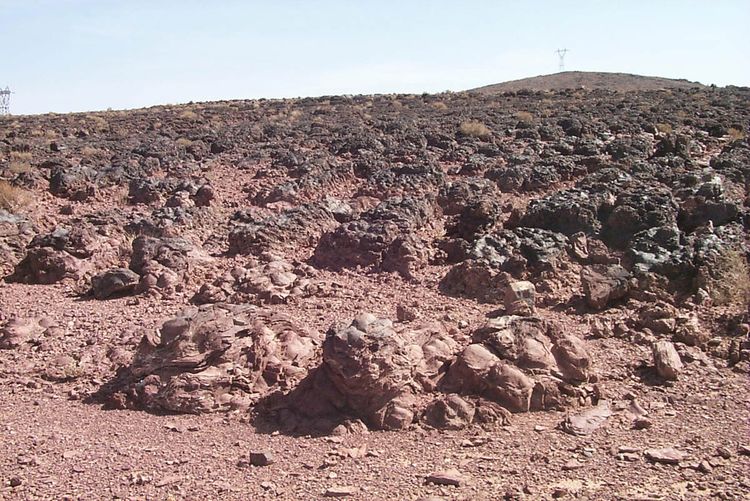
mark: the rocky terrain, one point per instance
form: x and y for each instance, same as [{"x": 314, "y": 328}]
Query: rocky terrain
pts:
[{"x": 496, "y": 295}]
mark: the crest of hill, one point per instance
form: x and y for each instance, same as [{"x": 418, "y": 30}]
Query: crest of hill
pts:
[{"x": 590, "y": 80}]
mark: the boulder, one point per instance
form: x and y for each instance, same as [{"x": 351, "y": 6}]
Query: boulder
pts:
[
  {"x": 512, "y": 359},
  {"x": 117, "y": 281},
  {"x": 301, "y": 225},
  {"x": 450, "y": 412},
  {"x": 519, "y": 298},
  {"x": 18, "y": 331},
  {"x": 275, "y": 282},
  {"x": 214, "y": 358},
  {"x": 371, "y": 371},
  {"x": 666, "y": 360},
  {"x": 604, "y": 284}
]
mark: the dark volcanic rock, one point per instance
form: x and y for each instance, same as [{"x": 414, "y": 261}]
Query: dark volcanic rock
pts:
[
  {"x": 114, "y": 282},
  {"x": 301, "y": 225}
]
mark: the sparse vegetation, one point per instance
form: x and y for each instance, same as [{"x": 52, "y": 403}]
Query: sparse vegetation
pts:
[
  {"x": 473, "y": 128},
  {"x": 12, "y": 197},
  {"x": 99, "y": 123},
  {"x": 663, "y": 128},
  {"x": 188, "y": 115},
  {"x": 730, "y": 279},
  {"x": 20, "y": 161},
  {"x": 525, "y": 117},
  {"x": 735, "y": 134},
  {"x": 88, "y": 152}
]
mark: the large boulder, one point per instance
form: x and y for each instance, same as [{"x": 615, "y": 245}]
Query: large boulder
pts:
[
  {"x": 522, "y": 363},
  {"x": 117, "y": 281},
  {"x": 385, "y": 238},
  {"x": 275, "y": 282},
  {"x": 214, "y": 358},
  {"x": 58, "y": 255},
  {"x": 371, "y": 371},
  {"x": 301, "y": 225},
  {"x": 604, "y": 284}
]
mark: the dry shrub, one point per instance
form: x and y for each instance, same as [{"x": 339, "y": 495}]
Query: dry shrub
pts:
[
  {"x": 19, "y": 167},
  {"x": 12, "y": 197},
  {"x": 183, "y": 142},
  {"x": 20, "y": 156},
  {"x": 736, "y": 134},
  {"x": 89, "y": 151},
  {"x": 440, "y": 106},
  {"x": 730, "y": 278},
  {"x": 19, "y": 162},
  {"x": 664, "y": 128},
  {"x": 525, "y": 117},
  {"x": 98, "y": 122},
  {"x": 188, "y": 115},
  {"x": 473, "y": 128}
]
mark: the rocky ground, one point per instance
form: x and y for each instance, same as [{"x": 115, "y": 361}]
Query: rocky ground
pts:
[{"x": 519, "y": 295}]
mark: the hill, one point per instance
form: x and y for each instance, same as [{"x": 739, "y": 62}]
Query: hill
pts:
[
  {"x": 623, "y": 82},
  {"x": 523, "y": 298}
]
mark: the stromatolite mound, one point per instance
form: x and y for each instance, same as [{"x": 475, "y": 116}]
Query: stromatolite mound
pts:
[{"x": 213, "y": 358}]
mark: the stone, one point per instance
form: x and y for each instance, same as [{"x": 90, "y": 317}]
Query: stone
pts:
[
  {"x": 666, "y": 455},
  {"x": 519, "y": 298},
  {"x": 724, "y": 452},
  {"x": 666, "y": 360},
  {"x": 449, "y": 413},
  {"x": 604, "y": 284},
  {"x": 18, "y": 331},
  {"x": 406, "y": 313},
  {"x": 340, "y": 491},
  {"x": 263, "y": 458},
  {"x": 372, "y": 370},
  {"x": 211, "y": 358},
  {"x": 446, "y": 477},
  {"x": 116, "y": 281},
  {"x": 642, "y": 423},
  {"x": 587, "y": 421}
]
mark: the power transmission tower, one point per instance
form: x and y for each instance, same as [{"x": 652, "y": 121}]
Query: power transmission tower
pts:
[
  {"x": 5, "y": 101},
  {"x": 561, "y": 54}
]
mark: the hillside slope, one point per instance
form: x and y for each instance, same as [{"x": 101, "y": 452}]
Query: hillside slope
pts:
[{"x": 590, "y": 80}]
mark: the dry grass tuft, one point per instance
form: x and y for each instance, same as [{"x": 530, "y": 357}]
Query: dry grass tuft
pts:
[
  {"x": 12, "y": 197},
  {"x": 472, "y": 128},
  {"x": 188, "y": 115},
  {"x": 736, "y": 135},
  {"x": 20, "y": 161},
  {"x": 664, "y": 128},
  {"x": 89, "y": 151},
  {"x": 730, "y": 279},
  {"x": 524, "y": 117}
]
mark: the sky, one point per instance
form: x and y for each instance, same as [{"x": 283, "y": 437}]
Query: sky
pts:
[{"x": 84, "y": 55}]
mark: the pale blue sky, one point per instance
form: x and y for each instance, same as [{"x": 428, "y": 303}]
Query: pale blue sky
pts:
[{"x": 78, "y": 55}]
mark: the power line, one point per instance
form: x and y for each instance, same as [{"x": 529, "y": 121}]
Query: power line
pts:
[
  {"x": 561, "y": 54},
  {"x": 5, "y": 101}
]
